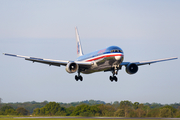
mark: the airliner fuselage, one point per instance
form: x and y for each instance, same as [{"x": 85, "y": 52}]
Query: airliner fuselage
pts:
[{"x": 103, "y": 59}]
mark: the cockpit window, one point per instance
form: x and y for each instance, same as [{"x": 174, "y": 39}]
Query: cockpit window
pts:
[{"x": 113, "y": 51}]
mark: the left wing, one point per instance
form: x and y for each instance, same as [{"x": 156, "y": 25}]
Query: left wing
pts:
[
  {"x": 148, "y": 62},
  {"x": 49, "y": 61}
]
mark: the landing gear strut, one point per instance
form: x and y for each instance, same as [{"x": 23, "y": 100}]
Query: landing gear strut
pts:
[
  {"x": 114, "y": 72},
  {"x": 78, "y": 77}
]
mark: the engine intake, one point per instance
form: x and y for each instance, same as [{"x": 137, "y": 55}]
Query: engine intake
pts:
[
  {"x": 72, "y": 67},
  {"x": 131, "y": 68}
]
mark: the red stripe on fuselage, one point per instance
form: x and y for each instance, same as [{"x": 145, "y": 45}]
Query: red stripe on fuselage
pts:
[{"x": 109, "y": 55}]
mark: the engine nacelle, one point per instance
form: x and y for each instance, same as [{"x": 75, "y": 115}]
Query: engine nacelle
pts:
[
  {"x": 72, "y": 67},
  {"x": 131, "y": 68}
]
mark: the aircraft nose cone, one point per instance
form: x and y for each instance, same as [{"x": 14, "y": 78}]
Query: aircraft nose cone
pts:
[{"x": 117, "y": 57}]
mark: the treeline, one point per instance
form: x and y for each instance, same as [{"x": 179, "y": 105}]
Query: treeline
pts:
[
  {"x": 8, "y": 110},
  {"x": 98, "y": 108},
  {"x": 30, "y": 106}
]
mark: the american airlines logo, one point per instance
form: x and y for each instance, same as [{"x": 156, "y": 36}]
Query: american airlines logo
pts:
[{"x": 77, "y": 47}]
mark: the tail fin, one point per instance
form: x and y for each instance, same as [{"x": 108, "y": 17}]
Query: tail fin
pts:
[{"x": 78, "y": 43}]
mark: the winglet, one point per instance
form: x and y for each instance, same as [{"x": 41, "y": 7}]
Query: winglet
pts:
[{"x": 78, "y": 44}]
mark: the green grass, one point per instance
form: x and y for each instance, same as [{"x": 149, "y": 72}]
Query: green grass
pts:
[
  {"x": 11, "y": 117},
  {"x": 68, "y": 119}
]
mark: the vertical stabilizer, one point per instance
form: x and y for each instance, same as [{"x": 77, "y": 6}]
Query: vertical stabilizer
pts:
[{"x": 78, "y": 44}]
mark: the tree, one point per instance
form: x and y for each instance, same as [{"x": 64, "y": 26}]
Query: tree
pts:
[
  {"x": 140, "y": 112},
  {"x": 156, "y": 105},
  {"x": 146, "y": 108},
  {"x": 119, "y": 113},
  {"x": 171, "y": 111},
  {"x": 126, "y": 105},
  {"x": 135, "y": 105},
  {"x": 116, "y": 104},
  {"x": 52, "y": 108},
  {"x": 0, "y": 102},
  {"x": 79, "y": 110},
  {"x": 4, "y": 108},
  {"x": 86, "y": 110},
  {"x": 165, "y": 112},
  {"x": 153, "y": 112},
  {"x": 22, "y": 111},
  {"x": 36, "y": 111},
  {"x": 106, "y": 110},
  {"x": 178, "y": 114},
  {"x": 8, "y": 110},
  {"x": 171, "y": 108},
  {"x": 70, "y": 110},
  {"x": 133, "y": 113}
]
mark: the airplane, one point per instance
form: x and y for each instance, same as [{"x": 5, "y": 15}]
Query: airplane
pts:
[{"x": 107, "y": 59}]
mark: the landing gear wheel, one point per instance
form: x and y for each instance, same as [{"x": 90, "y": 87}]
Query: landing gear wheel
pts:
[
  {"x": 81, "y": 78},
  {"x": 113, "y": 78},
  {"x": 78, "y": 78}
]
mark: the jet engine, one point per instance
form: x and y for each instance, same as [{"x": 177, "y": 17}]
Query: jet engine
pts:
[
  {"x": 131, "y": 68},
  {"x": 72, "y": 67}
]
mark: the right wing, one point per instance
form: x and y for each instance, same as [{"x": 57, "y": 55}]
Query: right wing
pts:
[
  {"x": 49, "y": 61},
  {"x": 148, "y": 62}
]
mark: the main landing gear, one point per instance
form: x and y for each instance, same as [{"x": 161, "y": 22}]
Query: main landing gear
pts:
[
  {"x": 114, "y": 72},
  {"x": 78, "y": 77}
]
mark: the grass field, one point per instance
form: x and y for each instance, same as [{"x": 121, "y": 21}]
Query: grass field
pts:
[
  {"x": 70, "y": 119},
  {"x": 77, "y": 118},
  {"x": 61, "y": 119},
  {"x": 56, "y": 119}
]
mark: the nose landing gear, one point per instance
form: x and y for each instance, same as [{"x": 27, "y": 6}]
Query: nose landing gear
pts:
[
  {"x": 114, "y": 72},
  {"x": 113, "y": 78},
  {"x": 78, "y": 77}
]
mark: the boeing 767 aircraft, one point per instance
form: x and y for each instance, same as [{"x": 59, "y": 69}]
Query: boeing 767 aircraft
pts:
[{"x": 107, "y": 59}]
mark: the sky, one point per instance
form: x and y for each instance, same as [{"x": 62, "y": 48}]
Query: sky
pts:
[{"x": 145, "y": 30}]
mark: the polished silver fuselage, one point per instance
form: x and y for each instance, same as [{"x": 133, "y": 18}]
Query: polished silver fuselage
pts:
[{"x": 103, "y": 60}]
